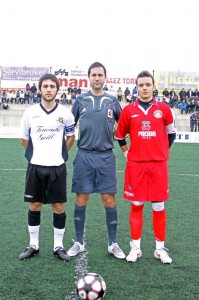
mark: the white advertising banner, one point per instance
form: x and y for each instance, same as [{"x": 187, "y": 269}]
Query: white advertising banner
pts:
[
  {"x": 182, "y": 137},
  {"x": 78, "y": 77},
  {"x": 187, "y": 137},
  {"x": 18, "y": 77}
]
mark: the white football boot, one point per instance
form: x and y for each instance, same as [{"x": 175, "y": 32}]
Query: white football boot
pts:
[
  {"x": 163, "y": 256},
  {"x": 134, "y": 254}
]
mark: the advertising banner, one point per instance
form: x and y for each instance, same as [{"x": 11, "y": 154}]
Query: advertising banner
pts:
[
  {"x": 23, "y": 73},
  {"x": 176, "y": 80},
  {"x": 71, "y": 78},
  {"x": 16, "y": 78},
  {"x": 79, "y": 78}
]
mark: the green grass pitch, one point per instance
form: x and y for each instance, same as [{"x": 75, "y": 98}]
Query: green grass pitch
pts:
[{"x": 44, "y": 277}]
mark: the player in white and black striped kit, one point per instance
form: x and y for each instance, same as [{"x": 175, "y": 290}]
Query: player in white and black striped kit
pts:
[{"x": 47, "y": 133}]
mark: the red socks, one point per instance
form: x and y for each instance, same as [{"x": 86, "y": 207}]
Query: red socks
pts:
[
  {"x": 159, "y": 225},
  {"x": 136, "y": 221}
]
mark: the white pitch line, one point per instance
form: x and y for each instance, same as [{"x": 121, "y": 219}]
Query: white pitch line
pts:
[
  {"x": 119, "y": 171},
  {"x": 12, "y": 169},
  {"x": 81, "y": 268},
  {"x": 194, "y": 175}
]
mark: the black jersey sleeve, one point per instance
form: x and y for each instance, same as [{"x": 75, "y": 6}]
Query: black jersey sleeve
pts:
[{"x": 171, "y": 137}]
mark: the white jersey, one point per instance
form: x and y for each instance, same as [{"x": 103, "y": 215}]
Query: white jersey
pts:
[{"x": 46, "y": 132}]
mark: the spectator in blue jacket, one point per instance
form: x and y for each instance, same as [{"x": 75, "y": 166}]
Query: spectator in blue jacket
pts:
[
  {"x": 135, "y": 92},
  {"x": 183, "y": 106}
]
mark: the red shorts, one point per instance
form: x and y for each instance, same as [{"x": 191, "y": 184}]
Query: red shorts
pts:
[{"x": 146, "y": 181}]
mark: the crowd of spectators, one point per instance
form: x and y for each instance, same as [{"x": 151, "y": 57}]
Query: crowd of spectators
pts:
[
  {"x": 31, "y": 95},
  {"x": 69, "y": 97},
  {"x": 187, "y": 101}
]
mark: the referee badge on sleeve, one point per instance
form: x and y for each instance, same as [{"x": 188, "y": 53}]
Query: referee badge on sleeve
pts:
[{"x": 110, "y": 113}]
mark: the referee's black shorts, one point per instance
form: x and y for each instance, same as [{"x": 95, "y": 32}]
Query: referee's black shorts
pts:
[{"x": 45, "y": 184}]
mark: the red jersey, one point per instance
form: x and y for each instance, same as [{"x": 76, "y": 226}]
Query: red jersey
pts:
[{"x": 148, "y": 130}]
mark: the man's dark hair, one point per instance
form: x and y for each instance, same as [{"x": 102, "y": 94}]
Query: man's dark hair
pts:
[
  {"x": 145, "y": 74},
  {"x": 51, "y": 77},
  {"x": 96, "y": 65}
]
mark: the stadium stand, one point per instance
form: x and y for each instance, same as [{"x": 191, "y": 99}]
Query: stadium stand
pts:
[{"x": 12, "y": 117}]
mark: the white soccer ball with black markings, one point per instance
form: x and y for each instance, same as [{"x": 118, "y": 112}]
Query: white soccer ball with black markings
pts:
[{"x": 90, "y": 287}]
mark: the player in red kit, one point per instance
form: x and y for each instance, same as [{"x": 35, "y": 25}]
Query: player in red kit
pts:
[{"x": 150, "y": 125}]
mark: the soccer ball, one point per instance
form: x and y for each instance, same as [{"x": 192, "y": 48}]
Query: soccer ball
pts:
[{"x": 92, "y": 286}]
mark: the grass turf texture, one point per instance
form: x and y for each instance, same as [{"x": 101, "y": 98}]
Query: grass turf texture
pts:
[{"x": 44, "y": 277}]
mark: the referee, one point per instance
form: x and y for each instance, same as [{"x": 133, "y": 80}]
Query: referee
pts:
[{"x": 95, "y": 165}]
